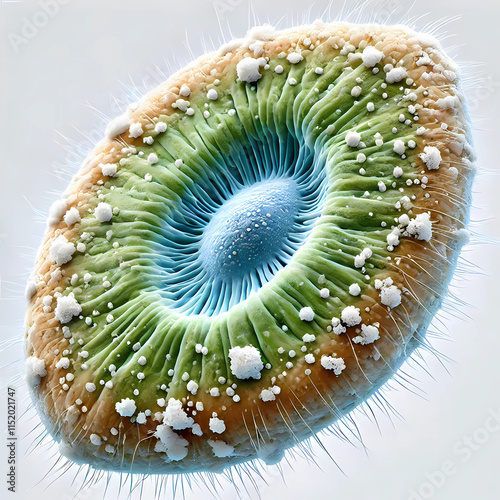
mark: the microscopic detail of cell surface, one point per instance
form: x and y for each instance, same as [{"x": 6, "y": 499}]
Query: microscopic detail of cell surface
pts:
[{"x": 252, "y": 251}]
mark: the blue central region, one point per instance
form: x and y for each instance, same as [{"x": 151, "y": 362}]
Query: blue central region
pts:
[
  {"x": 242, "y": 219},
  {"x": 251, "y": 228}
]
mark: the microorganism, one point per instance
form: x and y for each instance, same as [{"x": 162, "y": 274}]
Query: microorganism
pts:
[{"x": 252, "y": 251}]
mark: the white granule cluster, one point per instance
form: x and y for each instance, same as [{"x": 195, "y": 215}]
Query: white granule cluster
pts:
[
  {"x": 72, "y": 216},
  {"x": 396, "y": 75},
  {"x": 221, "y": 449},
  {"x": 141, "y": 418},
  {"x": 152, "y": 158},
  {"x": 103, "y": 212},
  {"x": 404, "y": 219},
  {"x": 264, "y": 32},
  {"x": 399, "y": 147},
  {"x": 267, "y": 395},
  {"x": 448, "y": 102},
  {"x": 306, "y": 314},
  {"x": 201, "y": 349},
  {"x": 356, "y": 91},
  {"x": 56, "y": 211},
  {"x": 217, "y": 425},
  {"x": 393, "y": 237},
  {"x": 360, "y": 259},
  {"x": 126, "y": 407},
  {"x": 35, "y": 370},
  {"x": 397, "y": 172},
  {"x": 371, "y": 56},
  {"x": 108, "y": 169},
  {"x": 331, "y": 363},
  {"x": 350, "y": 316},
  {"x": 425, "y": 60},
  {"x": 196, "y": 430},
  {"x": 175, "y": 416},
  {"x": 431, "y": 157},
  {"x": 66, "y": 308},
  {"x": 181, "y": 104},
  {"x": 212, "y": 94},
  {"x": 257, "y": 48},
  {"x": 324, "y": 293},
  {"x": 185, "y": 91},
  {"x": 354, "y": 289},
  {"x": 410, "y": 97},
  {"x": 160, "y": 127},
  {"x": 248, "y": 69},
  {"x": 117, "y": 126},
  {"x": 63, "y": 363},
  {"x": 61, "y": 250},
  {"x": 192, "y": 387},
  {"x": 390, "y": 295},
  {"x": 420, "y": 227},
  {"x": 294, "y": 58},
  {"x": 309, "y": 337},
  {"x": 369, "y": 334},
  {"x": 309, "y": 359},
  {"x": 405, "y": 203},
  {"x": 169, "y": 442},
  {"x": 245, "y": 362},
  {"x": 90, "y": 387},
  {"x": 347, "y": 48},
  {"x": 353, "y": 139},
  {"x": 270, "y": 393},
  {"x": 135, "y": 130},
  {"x": 95, "y": 439}
]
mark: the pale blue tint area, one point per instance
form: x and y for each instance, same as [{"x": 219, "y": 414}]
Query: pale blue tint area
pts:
[{"x": 235, "y": 229}]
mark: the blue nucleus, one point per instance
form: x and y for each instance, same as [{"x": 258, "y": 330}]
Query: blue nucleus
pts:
[
  {"x": 240, "y": 223},
  {"x": 250, "y": 229}
]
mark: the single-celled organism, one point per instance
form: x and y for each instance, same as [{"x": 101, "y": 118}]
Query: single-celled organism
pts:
[{"x": 252, "y": 250}]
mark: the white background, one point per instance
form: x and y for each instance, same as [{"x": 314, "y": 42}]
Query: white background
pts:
[{"x": 60, "y": 77}]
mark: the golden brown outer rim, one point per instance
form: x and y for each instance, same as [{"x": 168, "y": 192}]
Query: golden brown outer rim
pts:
[{"x": 363, "y": 371}]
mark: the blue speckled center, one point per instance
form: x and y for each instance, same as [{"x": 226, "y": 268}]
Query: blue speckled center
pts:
[
  {"x": 242, "y": 221},
  {"x": 250, "y": 229}
]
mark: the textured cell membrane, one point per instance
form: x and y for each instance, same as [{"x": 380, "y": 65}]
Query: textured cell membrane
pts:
[{"x": 252, "y": 251}]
